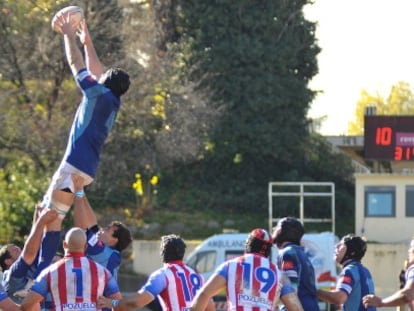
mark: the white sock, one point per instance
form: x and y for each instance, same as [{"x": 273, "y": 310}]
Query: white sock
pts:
[{"x": 61, "y": 208}]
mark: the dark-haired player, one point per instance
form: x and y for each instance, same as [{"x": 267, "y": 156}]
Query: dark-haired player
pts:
[
  {"x": 355, "y": 280},
  {"x": 294, "y": 262},
  {"x": 175, "y": 283},
  {"x": 252, "y": 281},
  {"x": 21, "y": 266},
  {"x": 105, "y": 245},
  {"x": 94, "y": 118}
]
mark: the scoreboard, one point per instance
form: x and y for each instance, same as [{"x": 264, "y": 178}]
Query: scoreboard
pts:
[{"x": 389, "y": 138}]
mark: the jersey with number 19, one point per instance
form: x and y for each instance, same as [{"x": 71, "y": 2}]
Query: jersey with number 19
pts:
[
  {"x": 75, "y": 283},
  {"x": 176, "y": 284},
  {"x": 253, "y": 283}
]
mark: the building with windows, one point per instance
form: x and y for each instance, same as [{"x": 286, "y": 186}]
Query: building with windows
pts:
[{"x": 384, "y": 191}]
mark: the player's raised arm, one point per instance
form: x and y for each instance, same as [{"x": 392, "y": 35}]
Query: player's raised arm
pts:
[
  {"x": 93, "y": 63},
  {"x": 72, "y": 52}
]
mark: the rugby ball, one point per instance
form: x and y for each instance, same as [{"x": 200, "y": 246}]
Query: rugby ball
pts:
[{"x": 76, "y": 16}]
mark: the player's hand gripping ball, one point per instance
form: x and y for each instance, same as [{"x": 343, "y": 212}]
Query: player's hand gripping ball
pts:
[{"x": 76, "y": 16}]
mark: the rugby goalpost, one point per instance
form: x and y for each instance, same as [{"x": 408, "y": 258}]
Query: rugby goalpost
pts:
[{"x": 302, "y": 190}]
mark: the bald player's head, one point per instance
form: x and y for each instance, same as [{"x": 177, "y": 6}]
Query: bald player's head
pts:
[{"x": 75, "y": 240}]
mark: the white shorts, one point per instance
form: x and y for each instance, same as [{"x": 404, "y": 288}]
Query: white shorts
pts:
[{"x": 62, "y": 179}]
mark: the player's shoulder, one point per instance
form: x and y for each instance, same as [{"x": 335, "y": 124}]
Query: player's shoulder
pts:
[
  {"x": 103, "y": 270},
  {"x": 84, "y": 74},
  {"x": 191, "y": 269}
]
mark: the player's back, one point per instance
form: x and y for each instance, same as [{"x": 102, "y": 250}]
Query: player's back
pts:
[
  {"x": 76, "y": 283},
  {"x": 295, "y": 263},
  {"x": 253, "y": 281},
  {"x": 183, "y": 283}
]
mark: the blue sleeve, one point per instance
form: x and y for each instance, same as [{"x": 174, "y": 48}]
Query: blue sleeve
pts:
[
  {"x": 85, "y": 80},
  {"x": 48, "y": 249},
  {"x": 114, "y": 262},
  {"x": 155, "y": 283},
  {"x": 19, "y": 268},
  {"x": 346, "y": 281},
  {"x": 111, "y": 288},
  {"x": 221, "y": 270},
  {"x": 286, "y": 289},
  {"x": 289, "y": 265},
  {"x": 3, "y": 293},
  {"x": 40, "y": 285}
]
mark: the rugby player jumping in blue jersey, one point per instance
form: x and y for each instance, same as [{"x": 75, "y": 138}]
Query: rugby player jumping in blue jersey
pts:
[{"x": 94, "y": 118}]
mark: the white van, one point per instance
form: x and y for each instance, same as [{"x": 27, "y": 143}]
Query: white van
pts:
[{"x": 221, "y": 247}]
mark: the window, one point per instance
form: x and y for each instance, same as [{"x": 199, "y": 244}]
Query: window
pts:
[
  {"x": 203, "y": 262},
  {"x": 380, "y": 201},
  {"x": 233, "y": 254},
  {"x": 409, "y": 201}
]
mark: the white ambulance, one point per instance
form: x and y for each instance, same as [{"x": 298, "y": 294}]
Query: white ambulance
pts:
[{"x": 218, "y": 248}]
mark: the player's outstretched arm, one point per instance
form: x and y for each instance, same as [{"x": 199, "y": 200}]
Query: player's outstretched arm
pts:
[
  {"x": 72, "y": 51},
  {"x": 138, "y": 300},
  {"x": 292, "y": 302},
  {"x": 400, "y": 297},
  {"x": 32, "y": 244},
  {"x": 31, "y": 302},
  {"x": 93, "y": 63},
  {"x": 336, "y": 297},
  {"x": 202, "y": 300},
  {"x": 83, "y": 215},
  {"x": 9, "y": 305}
]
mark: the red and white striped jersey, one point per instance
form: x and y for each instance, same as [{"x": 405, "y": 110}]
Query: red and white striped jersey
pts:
[
  {"x": 253, "y": 283},
  {"x": 75, "y": 283},
  {"x": 176, "y": 284}
]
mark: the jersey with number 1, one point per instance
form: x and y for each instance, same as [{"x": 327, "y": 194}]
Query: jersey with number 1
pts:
[
  {"x": 176, "y": 285},
  {"x": 74, "y": 283},
  {"x": 253, "y": 283}
]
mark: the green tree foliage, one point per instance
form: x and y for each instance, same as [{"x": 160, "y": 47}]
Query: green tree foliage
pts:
[
  {"x": 39, "y": 94},
  {"x": 254, "y": 61},
  {"x": 19, "y": 193},
  {"x": 217, "y": 107},
  {"x": 242, "y": 54},
  {"x": 399, "y": 101}
]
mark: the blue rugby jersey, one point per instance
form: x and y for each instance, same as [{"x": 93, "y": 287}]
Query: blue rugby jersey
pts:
[
  {"x": 98, "y": 251},
  {"x": 356, "y": 281},
  {"x": 93, "y": 121},
  {"x": 295, "y": 264}
]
